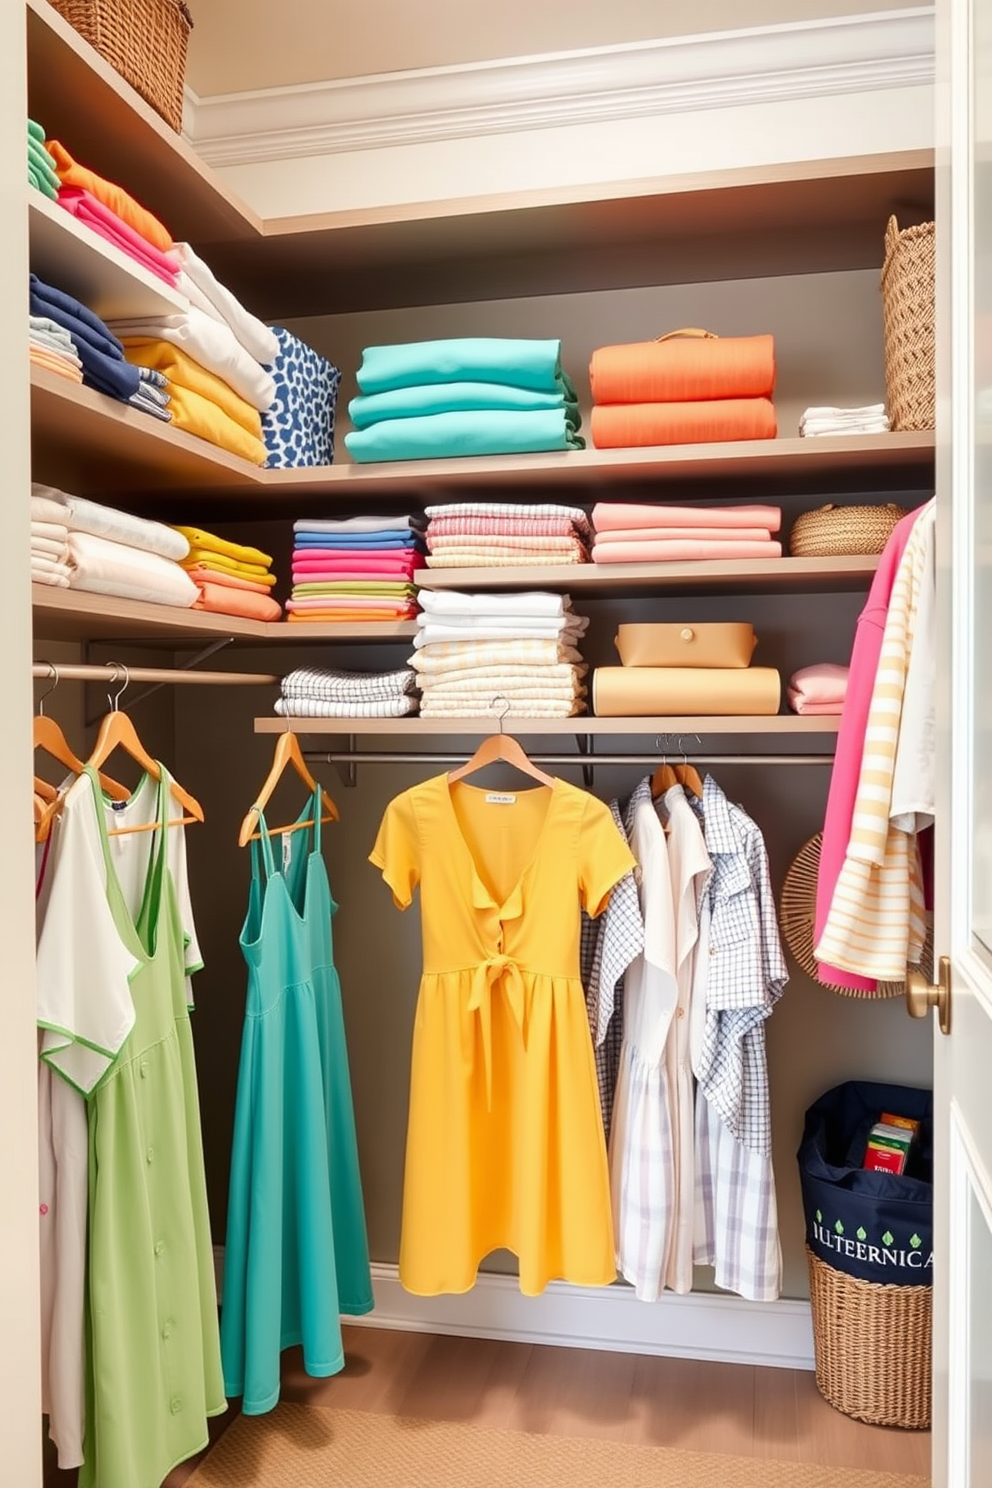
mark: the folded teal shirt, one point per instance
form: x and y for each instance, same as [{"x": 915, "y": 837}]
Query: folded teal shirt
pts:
[
  {"x": 451, "y": 397},
  {"x": 439, "y": 436},
  {"x": 42, "y": 164},
  {"x": 40, "y": 183},
  {"x": 516, "y": 363}
]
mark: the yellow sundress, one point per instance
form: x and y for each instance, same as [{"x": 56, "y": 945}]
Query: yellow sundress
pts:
[{"x": 505, "y": 1144}]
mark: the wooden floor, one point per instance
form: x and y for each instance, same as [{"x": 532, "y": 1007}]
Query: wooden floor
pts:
[{"x": 736, "y": 1409}]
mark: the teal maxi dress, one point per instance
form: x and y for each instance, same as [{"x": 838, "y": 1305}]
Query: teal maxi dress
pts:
[{"x": 296, "y": 1255}]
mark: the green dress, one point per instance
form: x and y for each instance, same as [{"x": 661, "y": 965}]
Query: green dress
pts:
[{"x": 153, "y": 1356}]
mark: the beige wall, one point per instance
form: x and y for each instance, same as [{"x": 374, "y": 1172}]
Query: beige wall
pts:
[{"x": 312, "y": 41}]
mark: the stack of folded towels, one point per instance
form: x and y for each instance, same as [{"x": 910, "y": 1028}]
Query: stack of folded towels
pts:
[
  {"x": 355, "y": 568},
  {"x": 488, "y": 654},
  {"x": 627, "y": 533},
  {"x": 691, "y": 670},
  {"x": 42, "y": 172},
  {"x": 474, "y": 395},
  {"x": 111, "y": 212},
  {"x": 96, "y": 348},
  {"x": 683, "y": 389},
  {"x": 319, "y": 692},
  {"x": 110, "y": 551},
  {"x": 870, "y": 419},
  {"x": 49, "y": 539},
  {"x": 820, "y": 688},
  {"x": 230, "y": 578},
  {"x": 494, "y": 534}
]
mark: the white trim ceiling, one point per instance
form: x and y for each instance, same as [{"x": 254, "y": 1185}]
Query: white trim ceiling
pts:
[{"x": 671, "y": 75}]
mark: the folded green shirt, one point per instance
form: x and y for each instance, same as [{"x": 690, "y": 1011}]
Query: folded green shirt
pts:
[
  {"x": 455, "y": 397},
  {"x": 517, "y": 363},
  {"x": 447, "y": 435},
  {"x": 41, "y": 184}
]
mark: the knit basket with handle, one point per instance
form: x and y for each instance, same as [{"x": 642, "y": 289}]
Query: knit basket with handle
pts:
[
  {"x": 908, "y": 314},
  {"x": 833, "y": 531},
  {"x": 143, "y": 40}
]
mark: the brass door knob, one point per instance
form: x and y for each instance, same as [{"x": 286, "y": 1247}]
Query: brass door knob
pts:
[{"x": 922, "y": 995}]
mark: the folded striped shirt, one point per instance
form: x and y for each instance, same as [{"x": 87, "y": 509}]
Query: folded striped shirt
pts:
[
  {"x": 341, "y": 686},
  {"x": 300, "y": 707}
]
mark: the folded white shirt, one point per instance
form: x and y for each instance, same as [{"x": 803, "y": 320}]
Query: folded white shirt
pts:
[
  {"x": 444, "y": 603},
  {"x": 214, "y": 345},
  {"x": 358, "y": 524},
  {"x": 868, "y": 410},
  {"x": 520, "y": 631},
  {"x": 255, "y": 336},
  {"x": 103, "y": 567},
  {"x": 82, "y": 515}
]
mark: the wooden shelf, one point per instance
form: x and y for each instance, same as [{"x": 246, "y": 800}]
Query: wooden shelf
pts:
[
  {"x": 69, "y": 255},
  {"x": 70, "y": 614},
  {"x": 783, "y": 725},
  {"x": 742, "y": 575}
]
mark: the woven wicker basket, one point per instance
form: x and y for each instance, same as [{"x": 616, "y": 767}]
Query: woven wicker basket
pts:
[
  {"x": 872, "y": 1347},
  {"x": 908, "y": 315},
  {"x": 143, "y": 40},
  {"x": 833, "y": 531},
  {"x": 797, "y": 918}
]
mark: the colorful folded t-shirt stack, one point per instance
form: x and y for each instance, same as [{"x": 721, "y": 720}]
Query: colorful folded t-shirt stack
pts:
[
  {"x": 113, "y": 552},
  {"x": 230, "y": 578},
  {"x": 683, "y": 390},
  {"x": 42, "y": 171},
  {"x": 818, "y": 689},
  {"x": 486, "y": 655},
  {"x": 668, "y": 671},
  {"x": 473, "y": 395},
  {"x": 494, "y": 534},
  {"x": 114, "y": 215},
  {"x": 630, "y": 533},
  {"x": 322, "y": 692},
  {"x": 98, "y": 349},
  {"x": 355, "y": 568}
]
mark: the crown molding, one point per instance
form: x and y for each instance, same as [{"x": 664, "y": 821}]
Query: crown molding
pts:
[{"x": 760, "y": 65}]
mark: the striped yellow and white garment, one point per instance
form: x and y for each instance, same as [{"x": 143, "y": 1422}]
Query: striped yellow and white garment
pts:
[{"x": 877, "y": 919}]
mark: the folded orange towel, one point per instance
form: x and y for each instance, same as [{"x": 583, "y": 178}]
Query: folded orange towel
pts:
[
  {"x": 682, "y": 552},
  {"x": 202, "y": 573},
  {"x": 55, "y": 363},
  {"x": 683, "y": 369},
  {"x": 71, "y": 173},
  {"x": 630, "y": 425},
  {"x": 220, "y": 599},
  {"x": 617, "y": 516}
]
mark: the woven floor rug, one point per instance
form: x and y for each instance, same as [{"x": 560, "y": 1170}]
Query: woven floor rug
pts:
[{"x": 298, "y": 1446}]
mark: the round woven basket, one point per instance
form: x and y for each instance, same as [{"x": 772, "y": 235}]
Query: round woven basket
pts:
[
  {"x": 872, "y": 1347},
  {"x": 797, "y": 917},
  {"x": 835, "y": 531},
  {"x": 908, "y": 317}
]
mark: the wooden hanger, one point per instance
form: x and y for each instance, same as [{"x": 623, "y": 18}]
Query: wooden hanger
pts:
[
  {"x": 49, "y": 737},
  {"x": 688, "y": 776},
  {"x": 117, "y": 731},
  {"x": 500, "y": 747},
  {"x": 664, "y": 776},
  {"x": 288, "y": 752}
]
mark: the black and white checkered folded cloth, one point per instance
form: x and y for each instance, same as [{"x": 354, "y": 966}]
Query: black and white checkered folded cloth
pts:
[
  {"x": 301, "y": 707},
  {"x": 330, "y": 685}
]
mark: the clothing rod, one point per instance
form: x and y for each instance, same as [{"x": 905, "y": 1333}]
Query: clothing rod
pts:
[
  {"x": 411, "y": 757},
  {"x": 119, "y": 675}
]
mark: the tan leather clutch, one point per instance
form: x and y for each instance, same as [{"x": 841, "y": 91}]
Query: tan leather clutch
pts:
[
  {"x": 722, "y": 644},
  {"x": 644, "y": 692}
]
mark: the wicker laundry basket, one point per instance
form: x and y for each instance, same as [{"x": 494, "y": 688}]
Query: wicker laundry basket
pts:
[
  {"x": 909, "y": 313},
  {"x": 835, "y": 531},
  {"x": 872, "y": 1345},
  {"x": 143, "y": 40}
]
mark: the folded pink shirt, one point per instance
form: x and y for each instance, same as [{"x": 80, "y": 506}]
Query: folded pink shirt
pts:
[
  {"x": 365, "y": 568},
  {"x": 681, "y": 552},
  {"x": 88, "y": 209},
  {"x": 818, "y": 688},
  {"x": 683, "y": 534},
  {"x": 611, "y": 515}
]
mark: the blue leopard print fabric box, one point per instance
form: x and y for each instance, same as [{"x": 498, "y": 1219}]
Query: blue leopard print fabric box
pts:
[{"x": 299, "y": 427}]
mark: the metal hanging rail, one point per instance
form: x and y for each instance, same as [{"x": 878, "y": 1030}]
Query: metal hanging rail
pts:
[
  {"x": 415, "y": 757},
  {"x": 114, "y": 672}
]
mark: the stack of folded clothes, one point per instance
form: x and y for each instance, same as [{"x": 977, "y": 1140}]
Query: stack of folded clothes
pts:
[
  {"x": 52, "y": 347},
  {"x": 318, "y": 692},
  {"x": 694, "y": 670},
  {"x": 113, "y": 552},
  {"x": 674, "y": 534},
  {"x": 49, "y": 541},
  {"x": 230, "y": 579},
  {"x": 494, "y": 534},
  {"x": 475, "y": 395},
  {"x": 820, "y": 688},
  {"x": 98, "y": 349},
  {"x": 110, "y": 211},
  {"x": 869, "y": 419},
  {"x": 298, "y": 429},
  {"x": 355, "y": 568},
  {"x": 42, "y": 172},
  {"x": 683, "y": 389},
  {"x": 489, "y": 654}
]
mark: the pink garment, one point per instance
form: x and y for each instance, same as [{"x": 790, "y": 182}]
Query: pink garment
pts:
[
  {"x": 610, "y": 515},
  {"x": 681, "y": 552},
  {"x": 401, "y": 610},
  {"x": 799, "y": 704},
  {"x": 365, "y": 568},
  {"x": 823, "y": 682},
  {"x": 84, "y": 206},
  {"x": 683, "y": 534},
  {"x": 851, "y": 740}
]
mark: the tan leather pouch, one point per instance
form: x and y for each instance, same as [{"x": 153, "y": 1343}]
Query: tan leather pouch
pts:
[{"x": 712, "y": 644}]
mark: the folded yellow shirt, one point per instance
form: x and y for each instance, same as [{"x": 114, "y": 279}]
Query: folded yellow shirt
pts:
[
  {"x": 237, "y": 552},
  {"x": 197, "y": 415},
  {"x": 182, "y": 371},
  {"x": 207, "y": 556}
]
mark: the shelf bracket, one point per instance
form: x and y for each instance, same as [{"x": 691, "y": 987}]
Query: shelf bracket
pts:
[{"x": 586, "y": 746}]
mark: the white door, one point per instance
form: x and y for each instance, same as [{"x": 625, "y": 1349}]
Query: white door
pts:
[{"x": 962, "y": 1441}]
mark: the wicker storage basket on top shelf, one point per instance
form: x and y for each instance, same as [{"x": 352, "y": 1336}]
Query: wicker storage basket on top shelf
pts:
[
  {"x": 908, "y": 313},
  {"x": 143, "y": 40},
  {"x": 833, "y": 531}
]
